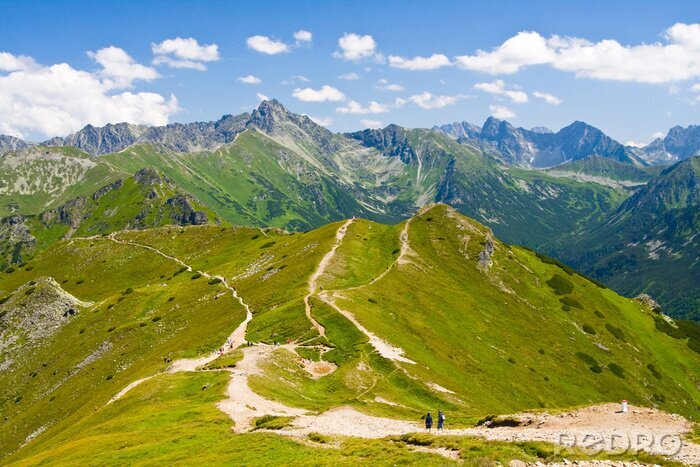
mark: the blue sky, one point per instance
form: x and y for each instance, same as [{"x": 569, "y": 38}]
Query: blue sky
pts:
[{"x": 118, "y": 67}]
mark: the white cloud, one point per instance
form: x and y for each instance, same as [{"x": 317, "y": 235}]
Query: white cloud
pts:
[
  {"x": 9, "y": 62},
  {"x": 303, "y": 36},
  {"x": 399, "y": 102},
  {"x": 501, "y": 112},
  {"x": 354, "y": 107},
  {"x": 677, "y": 58},
  {"x": 266, "y": 45},
  {"x": 355, "y": 47},
  {"x": 427, "y": 100},
  {"x": 498, "y": 88},
  {"x": 323, "y": 121},
  {"x": 635, "y": 144},
  {"x": 695, "y": 87},
  {"x": 58, "y": 99},
  {"x": 525, "y": 48},
  {"x": 249, "y": 79},
  {"x": 119, "y": 69},
  {"x": 433, "y": 62},
  {"x": 326, "y": 93},
  {"x": 296, "y": 78},
  {"x": 262, "y": 97},
  {"x": 184, "y": 53},
  {"x": 387, "y": 86},
  {"x": 349, "y": 76},
  {"x": 371, "y": 123},
  {"x": 548, "y": 98},
  {"x": 658, "y": 134}
]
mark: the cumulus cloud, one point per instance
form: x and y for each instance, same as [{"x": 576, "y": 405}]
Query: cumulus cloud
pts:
[
  {"x": 9, "y": 62},
  {"x": 525, "y": 48},
  {"x": 658, "y": 134},
  {"x": 119, "y": 69},
  {"x": 354, "y": 47},
  {"x": 323, "y": 121},
  {"x": 385, "y": 85},
  {"x": 303, "y": 36},
  {"x": 262, "y": 97},
  {"x": 677, "y": 58},
  {"x": 548, "y": 98},
  {"x": 184, "y": 53},
  {"x": 353, "y": 107},
  {"x": 371, "y": 123},
  {"x": 501, "y": 112},
  {"x": 349, "y": 76},
  {"x": 249, "y": 79},
  {"x": 498, "y": 88},
  {"x": 266, "y": 45},
  {"x": 325, "y": 94},
  {"x": 57, "y": 100},
  {"x": 433, "y": 62},
  {"x": 427, "y": 100}
]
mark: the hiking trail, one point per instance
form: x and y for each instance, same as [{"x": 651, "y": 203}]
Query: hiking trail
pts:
[{"x": 320, "y": 269}]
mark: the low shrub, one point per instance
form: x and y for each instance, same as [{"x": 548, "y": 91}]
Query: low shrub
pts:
[
  {"x": 318, "y": 438},
  {"x": 568, "y": 301},
  {"x": 617, "y": 370},
  {"x": 615, "y": 331},
  {"x": 196, "y": 275},
  {"x": 588, "y": 329},
  {"x": 654, "y": 372},
  {"x": 267, "y": 245},
  {"x": 560, "y": 285},
  {"x": 214, "y": 280}
]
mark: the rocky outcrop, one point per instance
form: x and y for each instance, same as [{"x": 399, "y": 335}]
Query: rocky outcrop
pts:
[
  {"x": 16, "y": 239},
  {"x": 184, "y": 213},
  {"x": 486, "y": 254}
]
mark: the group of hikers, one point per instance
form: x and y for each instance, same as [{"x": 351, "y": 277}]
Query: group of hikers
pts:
[{"x": 440, "y": 421}]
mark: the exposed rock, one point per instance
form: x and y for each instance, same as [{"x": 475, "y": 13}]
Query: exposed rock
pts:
[
  {"x": 11, "y": 143},
  {"x": 106, "y": 189},
  {"x": 17, "y": 238},
  {"x": 149, "y": 176},
  {"x": 648, "y": 301},
  {"x": 485, "y": 255},
  {"x": 184, "y": 212},
  {"x": 34, "y": 312}
]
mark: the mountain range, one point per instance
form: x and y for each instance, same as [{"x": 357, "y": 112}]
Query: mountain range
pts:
[{"x": 274, "y": 168}]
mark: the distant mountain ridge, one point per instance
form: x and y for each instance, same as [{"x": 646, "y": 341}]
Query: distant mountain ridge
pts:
[
  {"x": 540, "y": 147},
  {"x": 679, "y": 144}
]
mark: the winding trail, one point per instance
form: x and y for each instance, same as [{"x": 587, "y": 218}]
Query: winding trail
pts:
[
  {"x": 320, "y": 269},
  {"x": 234, "y": 341}
]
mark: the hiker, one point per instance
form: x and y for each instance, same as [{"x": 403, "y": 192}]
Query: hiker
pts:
[
  {"x": 428, "y": 421},
  {"x": 441, "y": 420}
]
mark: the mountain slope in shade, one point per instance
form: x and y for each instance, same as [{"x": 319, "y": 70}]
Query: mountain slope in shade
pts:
[
  {"x": 488, "y": 323},
  {"x": 651, "y": 242},
  {"x": 540, "y": 147}
]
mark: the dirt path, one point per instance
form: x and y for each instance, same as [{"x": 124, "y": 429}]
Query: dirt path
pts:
[
  {"x": 242, "y": 404},
  {"x": 384, "y": 348},
  {"x": 320, "y": 269},
  {"x": 594, "y": 429},
  {"x": 235, "y": 340}
]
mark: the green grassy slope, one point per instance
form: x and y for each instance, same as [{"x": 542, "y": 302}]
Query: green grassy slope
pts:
[
  {"x": 253, "y": 181},
  {"x": 145, "y": 200},
  {"x": 503, "y": 330},
  {"x": 36, "y": 179}
]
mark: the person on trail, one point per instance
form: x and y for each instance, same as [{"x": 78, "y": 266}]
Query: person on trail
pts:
[
  {"x": 428, "y": 421},
  {"x": 441, "y": 420}
]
